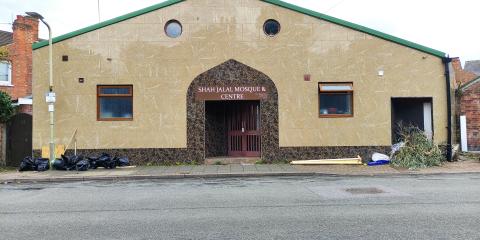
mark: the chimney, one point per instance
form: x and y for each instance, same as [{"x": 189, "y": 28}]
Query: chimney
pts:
[
  {"x": 461, "y": 75},
  {"x": 25, "y": 33},
  {"x": 457, "y": 65}
]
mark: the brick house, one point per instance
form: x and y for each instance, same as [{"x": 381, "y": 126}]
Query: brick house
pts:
[
  {"x": 469, "y": 96},
  {"x": 16, "y": 74},
  {"x": 462, "y": 76},
  {"x": 468, "y": 100},
  {"x": 16, "y": 71}
]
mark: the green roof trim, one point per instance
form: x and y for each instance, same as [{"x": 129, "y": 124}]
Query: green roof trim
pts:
[
  {"x": 274, "y": 2},
  {"x": 357, "y": 27},
  {"x": 127, "y": 16}
]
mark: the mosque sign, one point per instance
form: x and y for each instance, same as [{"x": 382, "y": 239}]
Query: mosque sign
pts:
[{"x": 229, "y": 93}]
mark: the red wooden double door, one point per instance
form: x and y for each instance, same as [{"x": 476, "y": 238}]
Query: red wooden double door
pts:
[{"x": 243, "y": 129}]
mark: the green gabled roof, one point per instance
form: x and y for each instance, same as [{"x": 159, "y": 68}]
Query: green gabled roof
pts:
[
  {"x": 279, "y": 3},
  {"x": 357, "y": 27},
  {"x": 107, "y": 23}
]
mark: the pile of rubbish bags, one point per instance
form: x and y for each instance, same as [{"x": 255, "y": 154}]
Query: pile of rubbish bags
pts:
[
  {"x": 34, "y": 164},
  {"x": 75, "y": 162}
]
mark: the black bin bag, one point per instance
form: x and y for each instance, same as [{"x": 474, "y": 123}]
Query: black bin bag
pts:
[
  {"x": 123, "y": 161},
  {"x": 42, "y": 164},
  {"x": 27, "y": 164},
  {"x": 59, "y": 164},
  {"x": 82, "y": 165},
  {"x": 93, "y": 162}
]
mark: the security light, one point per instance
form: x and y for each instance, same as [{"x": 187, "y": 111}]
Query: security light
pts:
[{"x": 35, "y": 15}]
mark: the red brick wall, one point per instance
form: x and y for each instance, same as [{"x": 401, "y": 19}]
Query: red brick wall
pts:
[
  {"x": 6, "y": 89},
  {"x": 26, "y": 109},
  {"x": 461, "y": 76},
  {"x": 470, "y": 107},
  {"x": 25, "y": 33}
]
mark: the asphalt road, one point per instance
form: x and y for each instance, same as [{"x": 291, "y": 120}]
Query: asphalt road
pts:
[{"x": 409, "y": 207}]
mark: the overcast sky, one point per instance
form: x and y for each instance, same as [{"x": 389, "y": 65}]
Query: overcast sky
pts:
[{"x": 448, "y": 26}]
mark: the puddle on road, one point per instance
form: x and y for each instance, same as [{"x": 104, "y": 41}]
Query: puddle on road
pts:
[
  {"x": 26, "y": 189},
  {"x": 367, "y": 190},
  {"x": 30, "y": 189},
  {"x": 342, "y": 192}
]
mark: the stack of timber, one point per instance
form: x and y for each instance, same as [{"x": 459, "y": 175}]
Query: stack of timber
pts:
[{"x": 340, "y": 161}]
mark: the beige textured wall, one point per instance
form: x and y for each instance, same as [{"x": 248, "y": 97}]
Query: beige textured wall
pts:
[{"x": 161, "y": 69}]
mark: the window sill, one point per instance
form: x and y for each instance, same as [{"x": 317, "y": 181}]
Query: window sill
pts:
[
  {"x": 114, "y": 119},
  {"x": 6, "y": 85},
  {"x": 336, "y": 116}
]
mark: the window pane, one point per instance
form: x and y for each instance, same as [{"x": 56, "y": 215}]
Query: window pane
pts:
[
  {"x": 173, "y": 29},
  {"x": 335, "y": 103},
  {"x": 4, "y": 71},
  {"x": 271, "y": 27},
  {"x": 115, "y": 90},
  {"x": 336, "y": 88},
  {"x": 116, "y": 107}
]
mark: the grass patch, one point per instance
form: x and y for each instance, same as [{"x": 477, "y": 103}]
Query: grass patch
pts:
[
  {"x": 219, "y": 163},
  {"x": 260, "y": 162},
  {"x": 418, "y": 151}
]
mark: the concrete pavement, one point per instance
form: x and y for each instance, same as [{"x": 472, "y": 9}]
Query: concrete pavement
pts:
[{"x": 233, "y": 170}]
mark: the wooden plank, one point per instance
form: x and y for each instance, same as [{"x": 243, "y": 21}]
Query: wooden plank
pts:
[
  {"x": 59, "y": 150},
  {"x": 341, "y": 161}
]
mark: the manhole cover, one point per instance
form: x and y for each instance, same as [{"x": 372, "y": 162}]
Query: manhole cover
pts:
[{"x": 365, "y": 190}]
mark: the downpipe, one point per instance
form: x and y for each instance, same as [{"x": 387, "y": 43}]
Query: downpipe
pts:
[{"x": 446, "y": 61}]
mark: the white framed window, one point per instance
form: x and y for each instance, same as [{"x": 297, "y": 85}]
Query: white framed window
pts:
[{"x": 5, "y": 73}]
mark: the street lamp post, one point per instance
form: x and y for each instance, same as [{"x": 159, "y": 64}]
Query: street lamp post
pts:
[{"x": 50, "y": 98}]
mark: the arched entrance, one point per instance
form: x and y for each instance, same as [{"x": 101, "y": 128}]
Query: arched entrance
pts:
[{"x": 232, "y": 89}]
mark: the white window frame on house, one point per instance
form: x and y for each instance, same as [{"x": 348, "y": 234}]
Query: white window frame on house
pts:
[{"x": 9, "y": 74}]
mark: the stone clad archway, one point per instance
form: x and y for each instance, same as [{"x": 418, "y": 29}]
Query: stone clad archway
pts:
[{"x": 232, "y": 73}]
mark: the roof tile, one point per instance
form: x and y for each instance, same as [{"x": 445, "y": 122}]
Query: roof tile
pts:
[{"x": 5, "y": 38}]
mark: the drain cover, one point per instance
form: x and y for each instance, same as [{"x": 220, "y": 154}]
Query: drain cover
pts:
[{"x": 364, "y": 190}]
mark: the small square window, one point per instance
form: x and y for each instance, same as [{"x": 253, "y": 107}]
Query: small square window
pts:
[
  {"x": 336, "y": 99},
  {"x": 115, "y": 103}
]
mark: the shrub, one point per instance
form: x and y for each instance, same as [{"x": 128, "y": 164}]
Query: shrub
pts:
[
  {"x": 6, "y": 108},
  {"x": 4, "y": 53},
  {"x": 418, "y": 151}
]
